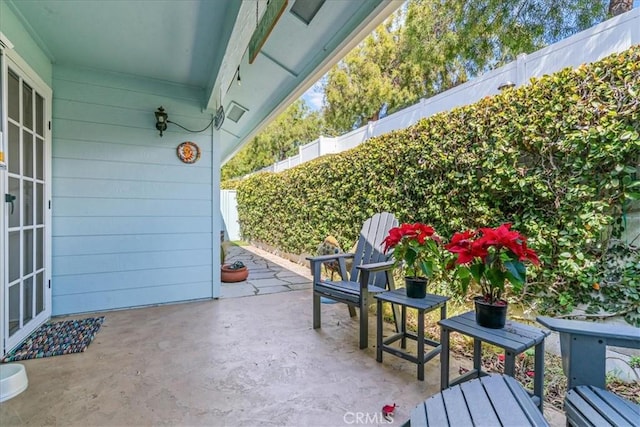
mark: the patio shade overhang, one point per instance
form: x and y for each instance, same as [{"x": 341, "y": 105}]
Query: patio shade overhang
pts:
[{"x": 204, "y": 44}]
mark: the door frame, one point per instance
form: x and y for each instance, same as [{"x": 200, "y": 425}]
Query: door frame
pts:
[{"x": 10, "y": 58}]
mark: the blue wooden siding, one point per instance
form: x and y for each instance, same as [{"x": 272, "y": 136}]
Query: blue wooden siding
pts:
[{"x": 132, "y": 225}]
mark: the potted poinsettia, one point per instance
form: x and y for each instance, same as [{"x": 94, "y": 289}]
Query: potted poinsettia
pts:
[
  {"x": 490, "y": 258},
  {"x": 416, "y": 248}
]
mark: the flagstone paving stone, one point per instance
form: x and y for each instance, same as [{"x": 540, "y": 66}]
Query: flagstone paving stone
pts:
[
  {"x": 265, "y": 283},
  {"x": 300, "y": 287},
  {"x": 294, "y": 279},
  {"x": 253, "y": 275}
]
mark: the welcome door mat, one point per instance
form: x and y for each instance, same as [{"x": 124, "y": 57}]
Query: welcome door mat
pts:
[{"x": 54, "y": 339}]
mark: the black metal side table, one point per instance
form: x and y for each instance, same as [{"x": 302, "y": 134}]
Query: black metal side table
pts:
[
  {"x": 514, "y": 338},
  {"x": 423, "y": 305}
]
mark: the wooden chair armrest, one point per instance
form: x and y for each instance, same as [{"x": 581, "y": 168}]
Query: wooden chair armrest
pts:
[
  {"x": 367, "y": 270},
  {"x": 332, "y": 257},
  {"x": 376, "y": 267},
  {"x": 317, "y": 261},
  {"x": 615, "y": 335}
]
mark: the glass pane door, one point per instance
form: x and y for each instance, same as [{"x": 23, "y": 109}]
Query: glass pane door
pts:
[{"x": 27, "y": 302}]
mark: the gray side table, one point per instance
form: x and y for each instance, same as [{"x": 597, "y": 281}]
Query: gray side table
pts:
[
  {"x": 493, "y": 400},
  {"x": 423, "y": 305},
  {"x": 514, "y": 338}
]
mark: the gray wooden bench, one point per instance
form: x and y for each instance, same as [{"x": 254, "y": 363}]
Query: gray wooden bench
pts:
[
  {"x": 493, "y": 400},
  {"x": 583, "y": 346}
]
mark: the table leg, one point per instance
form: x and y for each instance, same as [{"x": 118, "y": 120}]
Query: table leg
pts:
[
  {"x": 421, "y": 345},
  {"x": 509, "y": 363},
  {"x": 403, "y": 326},
  {"x": 538, "y": 378},
  {"x": 379, "y": 316},
  {"x": 477, "y": 356},
  {"x": 444, "y": 358}
]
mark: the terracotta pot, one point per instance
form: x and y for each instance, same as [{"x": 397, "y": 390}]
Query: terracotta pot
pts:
[
  {"x": 489, "y": 315},
  {"x": 416, "y": 286},
  {"x": 229, "y": 275}
]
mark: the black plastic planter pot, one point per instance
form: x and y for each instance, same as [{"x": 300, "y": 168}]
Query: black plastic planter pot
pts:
[
  {"x": 489, "y": 315},
  {"x": 416, "y": 286}
]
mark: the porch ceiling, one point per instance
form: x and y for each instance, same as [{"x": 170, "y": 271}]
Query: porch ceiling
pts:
[{"x": 201, "y": 43}]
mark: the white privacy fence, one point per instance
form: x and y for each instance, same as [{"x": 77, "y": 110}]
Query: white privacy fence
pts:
[
  {"x": 229, "y": 212},
  {"x": 615, "y": 35}
]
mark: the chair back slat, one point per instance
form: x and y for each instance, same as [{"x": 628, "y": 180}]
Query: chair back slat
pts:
[{"x": 369, "y": 248}]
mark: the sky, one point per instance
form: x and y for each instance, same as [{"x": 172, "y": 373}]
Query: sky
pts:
[{"x": 313, "y": 96}]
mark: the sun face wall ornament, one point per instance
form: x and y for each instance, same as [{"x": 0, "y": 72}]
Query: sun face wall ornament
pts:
[{"x": 188, "y": 152}]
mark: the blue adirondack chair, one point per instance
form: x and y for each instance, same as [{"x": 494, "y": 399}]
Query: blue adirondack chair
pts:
[
  {"x": 371, "y": 273},
  {"x": 583, "y": 346}
]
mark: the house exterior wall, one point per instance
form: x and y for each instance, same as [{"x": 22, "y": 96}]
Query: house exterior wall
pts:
[{"x": 132, "y": 224}]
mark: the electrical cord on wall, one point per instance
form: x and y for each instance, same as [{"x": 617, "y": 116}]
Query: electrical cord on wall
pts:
[{"x": 189, "y": 130}]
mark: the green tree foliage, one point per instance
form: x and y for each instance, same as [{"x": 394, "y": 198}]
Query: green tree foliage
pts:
[
  {"x": 493, "y": 32},
  {"x": 296, "y": 126},
  {"x": 430, "y": 61},
  {"x": 444, "y": 45},
  {"x": 366, "y": 80}
]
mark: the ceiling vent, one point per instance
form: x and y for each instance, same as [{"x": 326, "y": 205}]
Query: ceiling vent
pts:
[
  {"x": 235, "y": 112},
  {"x": 305, "y": 10}
]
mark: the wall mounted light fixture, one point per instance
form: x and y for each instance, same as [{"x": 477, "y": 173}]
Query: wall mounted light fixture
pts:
[{"x": 162, "y": 119}]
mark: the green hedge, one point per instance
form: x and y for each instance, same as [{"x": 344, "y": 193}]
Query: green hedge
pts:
[{"x": 557, "y": 158}]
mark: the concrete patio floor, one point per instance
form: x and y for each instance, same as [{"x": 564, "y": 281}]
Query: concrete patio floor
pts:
[{"x": 243, "y": 361}]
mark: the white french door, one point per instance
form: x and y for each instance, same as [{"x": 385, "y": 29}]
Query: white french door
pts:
[{"x": 25, "y": 180}]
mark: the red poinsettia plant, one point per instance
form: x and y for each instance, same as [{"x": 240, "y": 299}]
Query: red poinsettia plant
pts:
[
  {"x": 491, "y": 257},
  {"x": 415, "y": 246}
]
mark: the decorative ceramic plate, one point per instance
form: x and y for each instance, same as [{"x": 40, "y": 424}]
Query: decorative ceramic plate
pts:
[{"x": 188, "y": 152}]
